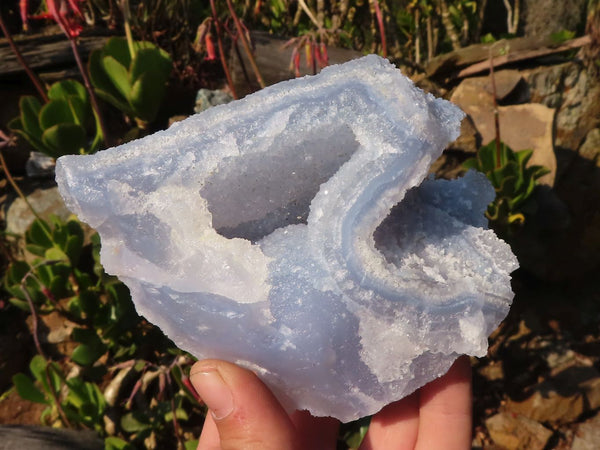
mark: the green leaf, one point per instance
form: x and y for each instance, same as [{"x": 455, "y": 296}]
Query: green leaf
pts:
[
  {"x": 73, "y": 248},
  {"x": 561, "y": 36},
  {"x": 56, "y": 254},
  {"x": 32, "y": 140},
  {"x": 180, "y": 413},
  {"x": 118, "y": 75},
  {"x": 30, "y": 109},
  {"x": 115, "y": 443},
  {"x": 487, "y": 157},
  {"x": 45, "y": 274},
  {"x": 153, "y": 61},
  {"x": 15, "y": 273},
  {"x": 118, "y": 48},
  {"x": 98, "y": 76},
  {"x": 86, "y": 302},
  {"x": 471, "y": 163},
  {"x": 191, "y": 445},
  {"x": 145, "y": 100},
  {"x": 55, "y": 112},
  {"x": 27, "y": 389},
  {"x": 135, "y": 422},
  {"x": 91, "y": 347},
  {"x": 37, "y": 365},
  {"x": 149, "y": 74},
  {"x": 116, "y": 101},
  {"x": 39, "y": 233},
  {"x": 65, "y": 89},
  {"x": 16, "y": 125},
  {"x": 64, "y": 139},
  {"x": 81, "y": 110},
  {"x": 522, "y": 157},
  {"x": 19, "y": 303}
]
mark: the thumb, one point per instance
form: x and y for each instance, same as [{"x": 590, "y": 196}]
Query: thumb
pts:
[{"x": 243, "y": 413}]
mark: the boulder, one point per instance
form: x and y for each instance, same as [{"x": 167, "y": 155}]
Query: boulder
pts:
[
  {"x": 44, "y": 200},
  {"x": 541, "y": 17},
  {"x": 549, "y": 407},
  {"x": 564, "y": 397},
  {"x": 574, "y": 92},
  {"x": 587, "y": 435},
  {"x": 513, "y": 431},
  {"x": 528, "y": 126},
  {"x": 590, "y": 149}
]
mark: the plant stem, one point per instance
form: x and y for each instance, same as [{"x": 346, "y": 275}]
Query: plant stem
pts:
[
  {"x": 61, "y": 413},
  {"x": 379, "y": 16},
  {"x": 32, "y": 76},
  {"x": 15, "y": 186},
  {"x": 34, "y": 317},
  {"x": 90, "y": 90},
  {"x": 246, "y": 45},
  {"x": 221, "y": 51},
  {"x": 448, "y": 25},
  {"x": 496, "y": 112},
  {"x": 125, "y": 10},
  {"x": 309, "y": 13}
]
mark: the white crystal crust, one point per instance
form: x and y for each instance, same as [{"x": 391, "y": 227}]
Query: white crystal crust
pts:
[{"x": 291, "y": 232}]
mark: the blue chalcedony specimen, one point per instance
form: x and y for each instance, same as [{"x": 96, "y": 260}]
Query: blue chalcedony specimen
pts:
[{"x": 292, "y": 232}]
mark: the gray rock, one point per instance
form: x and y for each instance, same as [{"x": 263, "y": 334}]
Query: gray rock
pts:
[
  {"x": 590, "y": 149},
  {"x": 40, "y": 165},
  {"x": 45, "y": 201},
  {"x": 574, "y": 92},
  {"x": 542, "y": 17},
  {"x": 206, "y": 98}
]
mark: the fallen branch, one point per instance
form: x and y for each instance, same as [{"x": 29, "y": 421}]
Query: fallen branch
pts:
[{"x": 498, "y": 61}]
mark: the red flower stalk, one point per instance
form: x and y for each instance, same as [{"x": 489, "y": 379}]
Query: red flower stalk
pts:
[
  {"x": 324, "y": 55},
  {"x": 66, "y": 13},
  {"x": 23, "y": 11},
  {"x": 308, "y": 50},
  {"x": 379, "y": 17},
  {"x": 188, "y": 384},
  {"x": 296, "y": 61},
  {"x": 211, "y": 54}
]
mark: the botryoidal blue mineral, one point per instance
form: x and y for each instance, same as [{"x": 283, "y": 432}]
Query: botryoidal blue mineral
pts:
[{"x": 294, "y": 232}]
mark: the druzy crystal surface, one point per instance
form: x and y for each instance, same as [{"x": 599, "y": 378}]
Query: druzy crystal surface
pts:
[{"x": 292, "y": 232}]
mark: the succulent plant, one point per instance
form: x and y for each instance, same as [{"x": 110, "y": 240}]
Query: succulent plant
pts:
[
  {"x": 132, "y": 77},
  {"x": 513, "y": 181},
  {"x": 59, "y": 127}
]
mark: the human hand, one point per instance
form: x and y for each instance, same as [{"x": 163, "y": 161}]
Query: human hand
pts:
[{"x": 245, "y": 415}]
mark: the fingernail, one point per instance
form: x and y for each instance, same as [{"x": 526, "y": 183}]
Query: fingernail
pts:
[{"x": 214, "y": 392}]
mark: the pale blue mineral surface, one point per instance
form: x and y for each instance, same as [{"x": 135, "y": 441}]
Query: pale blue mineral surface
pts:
[{"x": 292, "y": 232}]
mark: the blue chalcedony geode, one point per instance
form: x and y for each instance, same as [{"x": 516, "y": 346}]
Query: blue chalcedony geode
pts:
[{"x": 292, "y": 232}]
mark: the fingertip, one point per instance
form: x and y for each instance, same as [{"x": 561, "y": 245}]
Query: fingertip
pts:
[{"x": 245, "y": 412}]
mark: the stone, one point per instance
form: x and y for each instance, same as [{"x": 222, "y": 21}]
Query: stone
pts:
[
  {"x": 575, "y": 94},
  {"x": 481, "y": 87},
  {"x": 587, "y": 435},
  {"x": 207, "y": 98},
  {"x": 590, "y": 149},
  {"x": 292, "y": 232},
  {"x": 513, "y": 432},
  {"x": 543, "y": 17},
  {"x": 45, "y": 201},
  {"x": 527, "y": 126},
  {"x": 469, "y": 140},
  {"x": 39, "y": 165},
  {"x": 557, "y": 400}
]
